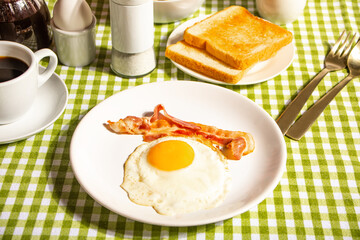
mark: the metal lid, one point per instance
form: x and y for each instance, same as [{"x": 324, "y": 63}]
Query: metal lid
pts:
[{"x": 130, "y": 2}]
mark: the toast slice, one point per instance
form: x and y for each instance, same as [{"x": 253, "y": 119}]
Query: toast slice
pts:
[
  {"x": 237, "y": 37},
  {"x": 200, "y": 61}
]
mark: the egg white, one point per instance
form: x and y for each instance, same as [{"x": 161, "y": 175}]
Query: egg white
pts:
[{"x": 201, "y": 185}]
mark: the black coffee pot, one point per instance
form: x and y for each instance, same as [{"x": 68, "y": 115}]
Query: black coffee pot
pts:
[{"x": 26, "y": 22}]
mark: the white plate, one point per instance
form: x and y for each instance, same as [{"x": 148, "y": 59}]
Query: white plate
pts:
[
  {"x": 48, "y": 106},
  {"x": 98, "y": 155},
  {"x": 260, "y": 72}
]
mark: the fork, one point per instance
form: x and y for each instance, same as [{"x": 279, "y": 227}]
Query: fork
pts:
[
  {"x": 335, "y": 60},
  {"x": 298, "y": 129}
]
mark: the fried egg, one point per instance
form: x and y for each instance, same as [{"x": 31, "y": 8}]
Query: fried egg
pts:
[{"x": 176, "y": 175}]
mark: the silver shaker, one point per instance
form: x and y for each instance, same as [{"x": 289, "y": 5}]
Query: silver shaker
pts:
[{"x": 132, "y": 35}]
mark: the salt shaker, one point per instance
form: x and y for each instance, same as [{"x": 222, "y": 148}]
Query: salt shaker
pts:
[{"x": 132, "y": 34}]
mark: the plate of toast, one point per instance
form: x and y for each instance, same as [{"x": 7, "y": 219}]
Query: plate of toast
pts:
[{"x": 231, "y": 47}]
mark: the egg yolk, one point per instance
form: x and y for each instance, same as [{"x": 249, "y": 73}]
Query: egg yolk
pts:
[{"x": 171, "y": 155}]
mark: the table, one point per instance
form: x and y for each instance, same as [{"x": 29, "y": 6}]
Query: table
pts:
[{"x": 317, "y": 197}]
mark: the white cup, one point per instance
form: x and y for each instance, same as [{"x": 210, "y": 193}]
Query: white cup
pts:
[
  {"x": 280, "y": 11},
  {"x": 18, "y": 94}
]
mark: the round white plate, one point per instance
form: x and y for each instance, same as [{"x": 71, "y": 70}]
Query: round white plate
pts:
[
  {"x": 48, "y": 106},
  {"x": 260, "y": 72},
  {"x": 97, "y": 155}
]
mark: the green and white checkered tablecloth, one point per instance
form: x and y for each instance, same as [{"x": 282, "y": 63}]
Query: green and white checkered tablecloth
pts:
[{"x": 317, "y": 197}]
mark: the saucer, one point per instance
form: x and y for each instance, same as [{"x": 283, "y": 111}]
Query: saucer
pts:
[{"x": 49, "y": 104}]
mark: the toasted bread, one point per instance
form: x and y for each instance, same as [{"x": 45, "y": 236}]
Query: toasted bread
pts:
[
  {"x": 237, "y": 37},
  {"x": 200, "y": 61}
]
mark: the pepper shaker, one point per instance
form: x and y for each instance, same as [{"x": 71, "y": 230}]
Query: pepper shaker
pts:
[{"x": 132, "y": 34}]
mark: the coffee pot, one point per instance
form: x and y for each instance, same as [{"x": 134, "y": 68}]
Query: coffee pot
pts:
[{"x": 26, "y": 22}]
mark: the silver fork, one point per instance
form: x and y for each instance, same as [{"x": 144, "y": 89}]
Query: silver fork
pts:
[
  {"x": 298, "y": 129},
  {"x": 335, "y": 60}
]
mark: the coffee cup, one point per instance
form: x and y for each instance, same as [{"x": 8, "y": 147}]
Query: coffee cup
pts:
[
  {"x": 20, "y": 78},
  {"x": 280, "y": 11}
]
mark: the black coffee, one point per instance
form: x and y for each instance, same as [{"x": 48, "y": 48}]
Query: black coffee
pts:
[{"x": 11, "y": 68}]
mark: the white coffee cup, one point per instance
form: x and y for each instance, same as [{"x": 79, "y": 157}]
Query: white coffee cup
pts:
[
  {"x": 280, "y": 11},
  {"x": 18, "y": 94}
]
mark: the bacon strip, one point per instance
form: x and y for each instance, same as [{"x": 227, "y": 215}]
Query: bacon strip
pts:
[
  {"x": 234, "y": 144},
  {"x": 181, "y": 123}
]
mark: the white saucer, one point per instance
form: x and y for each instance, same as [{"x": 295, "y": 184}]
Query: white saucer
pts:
[
  {"x": 48, "y": 106},
  {"x": 260, "y": 72}
]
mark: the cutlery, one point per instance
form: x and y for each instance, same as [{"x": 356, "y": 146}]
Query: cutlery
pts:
[
  {"x": 298, "y": 129},
  {"x": 335, "y": 60}
]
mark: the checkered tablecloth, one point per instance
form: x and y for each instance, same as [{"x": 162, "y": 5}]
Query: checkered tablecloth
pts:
[{"x": 317, "y": 197}]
